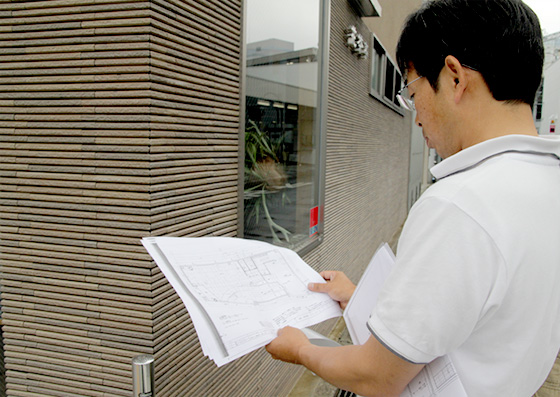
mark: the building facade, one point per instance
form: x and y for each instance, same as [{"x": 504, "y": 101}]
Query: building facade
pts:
[
  {"x": 547, "y": 106},
  {"x": 122, "y": 119}
]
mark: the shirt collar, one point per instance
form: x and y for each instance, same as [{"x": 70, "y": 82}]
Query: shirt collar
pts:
[{"x": 474, "y": 155}]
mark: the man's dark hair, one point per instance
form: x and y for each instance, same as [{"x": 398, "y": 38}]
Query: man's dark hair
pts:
[{"x": 501, "y": 39}]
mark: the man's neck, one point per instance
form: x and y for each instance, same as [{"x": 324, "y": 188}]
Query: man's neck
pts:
[{"x": 493, "y": 119}]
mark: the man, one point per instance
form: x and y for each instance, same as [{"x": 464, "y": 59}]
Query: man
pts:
[{"x": 477, "y": 274}]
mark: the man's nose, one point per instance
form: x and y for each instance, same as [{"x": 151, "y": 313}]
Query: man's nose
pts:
[{"x": 417, "y": 121}]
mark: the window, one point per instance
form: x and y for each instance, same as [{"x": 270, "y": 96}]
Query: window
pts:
[
  {"x": 377, "y": 65},
  {"x": 389, "y": 78},
  {"x": 284, "y": 115},
  {"x": 386, "y": 79},
  {"x": 537, "y": 106}
]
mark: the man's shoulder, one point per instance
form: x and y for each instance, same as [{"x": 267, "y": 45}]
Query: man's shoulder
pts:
[{"x": 472, "y": 157}]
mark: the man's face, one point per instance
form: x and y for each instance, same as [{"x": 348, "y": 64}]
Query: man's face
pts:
[{"x": 433, "y": 114}]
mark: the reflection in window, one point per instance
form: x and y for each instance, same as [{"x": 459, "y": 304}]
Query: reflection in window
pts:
[
  {"x": 281, "y": 194},
  {"x": 537, "y": 106},
  {"x": 377, "y": 66},
  {"x": 386, "y": 79}
]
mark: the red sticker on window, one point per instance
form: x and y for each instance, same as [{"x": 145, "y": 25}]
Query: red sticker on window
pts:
[{"x": 313, "y": 221}]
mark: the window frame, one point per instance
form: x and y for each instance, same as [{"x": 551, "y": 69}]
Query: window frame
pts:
[
  {"x": 378, "y": 86},
  {"x": 320, "y": 178}
]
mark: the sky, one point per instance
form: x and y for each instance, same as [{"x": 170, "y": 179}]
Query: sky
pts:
[
  {"x": 267, "y": 21},
  {"x": 548, "y": 12}
]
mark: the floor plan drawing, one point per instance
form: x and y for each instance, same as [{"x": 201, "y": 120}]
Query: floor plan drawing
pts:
[
  {"x": 241, "y": 292},
  {"x": 433, "y": 379},
  {"x": 253, "y": 280}
]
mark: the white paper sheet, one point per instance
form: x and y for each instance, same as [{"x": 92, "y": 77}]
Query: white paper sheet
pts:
[
  {"x": 439, "y": 377},
  {"x": 239, "y": 292},
  {"x": 364, "y": 299}
]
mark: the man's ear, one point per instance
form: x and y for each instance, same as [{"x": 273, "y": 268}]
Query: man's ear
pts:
[{"x": 456, "y": 72}]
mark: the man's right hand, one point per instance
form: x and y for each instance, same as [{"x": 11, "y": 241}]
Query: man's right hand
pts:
[{"x": 338, "y": 286}]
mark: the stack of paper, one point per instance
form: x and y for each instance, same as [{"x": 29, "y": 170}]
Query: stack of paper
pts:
[
  {"x": 364, "y": 299},
  {"x": 437, "y": 379},
  {"x": 239, "y": 293}
]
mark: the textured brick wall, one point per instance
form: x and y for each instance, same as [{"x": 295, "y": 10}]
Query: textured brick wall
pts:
[
  {"x": 194, "y": 64},
  {"x": 75, "y": 135},
  {"x": 120, "y": 119}
]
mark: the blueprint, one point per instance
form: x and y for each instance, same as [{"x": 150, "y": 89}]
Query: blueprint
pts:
[
  {"x": 438, "y": 378},
  {"x": 240, "y": 292}
]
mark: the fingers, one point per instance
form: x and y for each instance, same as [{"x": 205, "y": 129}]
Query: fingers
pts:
[
  {"x": 338, "y": 286},
  {"x": 284, "y": 330},
  {"x": 328, "y": 274},
  {"x": 270, "y": 349},
  {"x": 318, "y": 287}
]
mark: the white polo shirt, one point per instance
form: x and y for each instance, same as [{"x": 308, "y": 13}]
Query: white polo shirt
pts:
[{"x": 477, "y": 274}]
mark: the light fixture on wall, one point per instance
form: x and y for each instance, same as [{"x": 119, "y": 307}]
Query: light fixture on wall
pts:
[{"x": 356, "y": 42}]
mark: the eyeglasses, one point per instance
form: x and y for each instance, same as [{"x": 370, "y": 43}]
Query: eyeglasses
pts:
[
  {"x": 407, "y": 101},
  {"x": 404, "y": 97}
]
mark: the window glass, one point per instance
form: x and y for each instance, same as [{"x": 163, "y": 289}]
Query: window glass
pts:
[
  {"x": 377, "y": 68},
  {"x": 389, "y": 81},
  {"x": 282, "y": 121},
  {"x": 386, "y": 79},
  {"x": 398, "y": 84},
  {"x": 537, "y": 106}
]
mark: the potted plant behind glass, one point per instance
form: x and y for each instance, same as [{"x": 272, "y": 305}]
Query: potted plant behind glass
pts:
[{"x": 265, "y": 174}]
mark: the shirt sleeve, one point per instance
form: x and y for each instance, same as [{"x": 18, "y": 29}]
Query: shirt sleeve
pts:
[{"x": 444, "y": 282}]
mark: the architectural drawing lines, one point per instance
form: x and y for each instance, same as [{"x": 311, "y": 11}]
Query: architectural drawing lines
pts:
[{"x": 253, "y": 280}]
